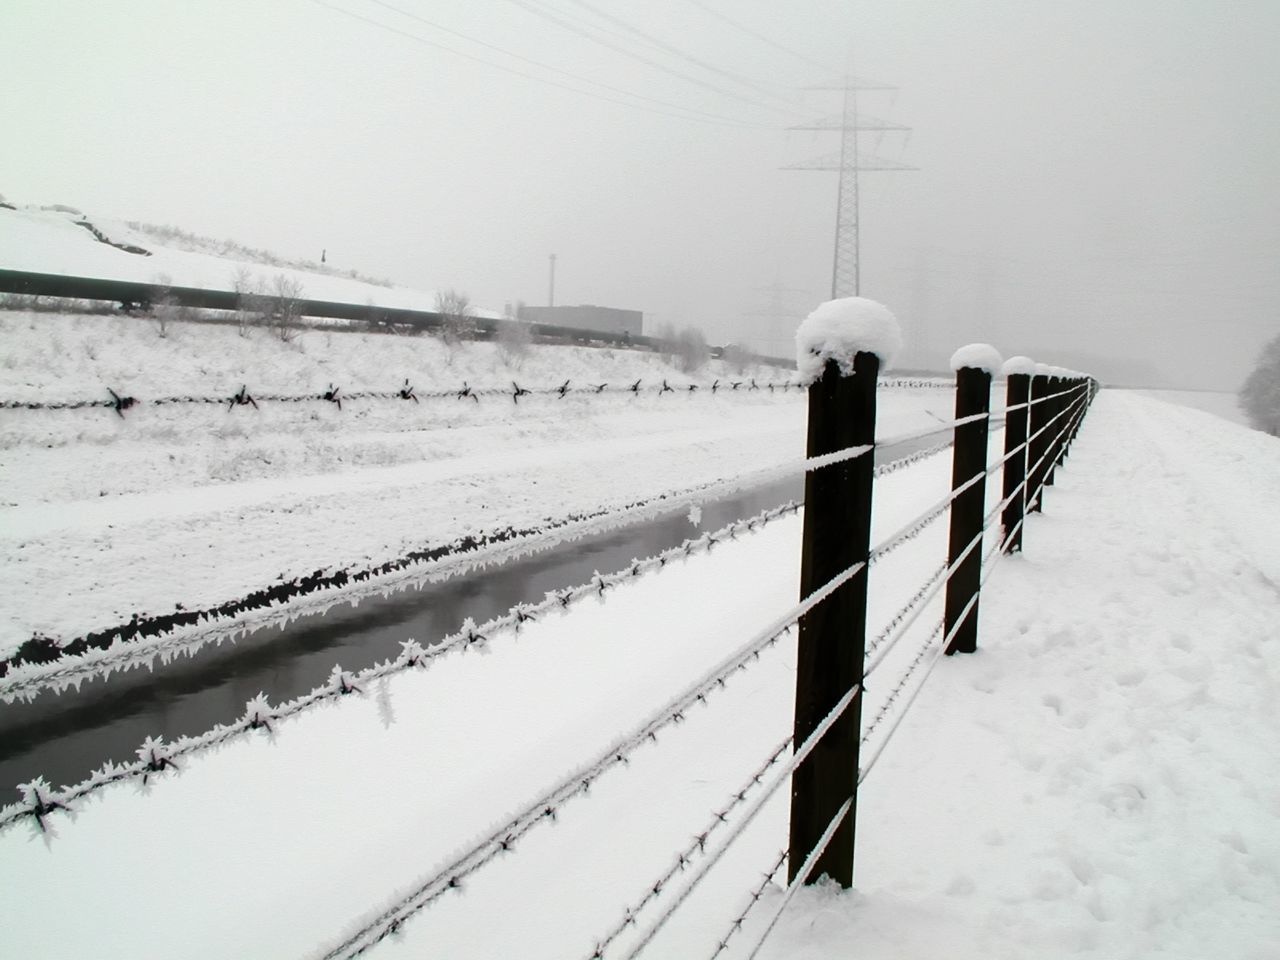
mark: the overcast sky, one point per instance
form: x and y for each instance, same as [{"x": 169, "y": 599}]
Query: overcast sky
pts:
[{"x": 1097, "y": 179}]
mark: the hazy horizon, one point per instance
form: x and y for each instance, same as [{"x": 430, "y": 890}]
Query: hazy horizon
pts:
[{"x": 1096, "y": 182}]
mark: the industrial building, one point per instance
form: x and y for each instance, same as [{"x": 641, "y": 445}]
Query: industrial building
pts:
[{"x": 586, "y": 317}]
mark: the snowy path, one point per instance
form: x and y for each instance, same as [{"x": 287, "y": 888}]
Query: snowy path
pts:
[{"x": 1101, "y": 780}]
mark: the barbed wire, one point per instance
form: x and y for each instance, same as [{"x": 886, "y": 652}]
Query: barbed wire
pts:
[
  {"x": 818, "y": 850},
  {"x": 379, "y": 926},
  {"x": 335, "y": 394},
  {"x": 260, "y": 714},
  {"x": 913, "y": 528},
  {"x": 915, "y": 383},
  {"x": 914, "y": 606},
  {"x": 1047, "y": 397},
  {"x": 782, "y": 776},
  {"x": 945, "y": 426},
  {"x": 896, "y": 690},
  {"x": 939, "y": 653},
  {"x": 1025, "y": 444},
  {"x": 893, "y": 466},
  {"x": 905, "y": 616},
  {"x": 686, "y": 856},
  {"x": 754, "y": 898}
]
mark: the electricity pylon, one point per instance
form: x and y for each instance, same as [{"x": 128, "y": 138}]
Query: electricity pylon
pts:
[{"x": 846, "y": 271}]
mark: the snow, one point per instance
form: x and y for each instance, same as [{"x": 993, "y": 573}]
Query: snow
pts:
[
  {"x": 839, "y": 329},
  {"x": 199, "y": 504},
  {"x": 1018, "y": 365},
  {"x": 48, "y": 241},
  {"x": 1099, "y": 781},
  {"x": 977, "y": 356},
  {"x": 1108, "y": 788},
  {"x": 1217, "y": 402}
]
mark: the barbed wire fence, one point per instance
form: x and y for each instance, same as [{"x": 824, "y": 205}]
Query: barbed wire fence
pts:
[
  {"x": 335, "y": 395},
  {"x": 822, "y": 760}
]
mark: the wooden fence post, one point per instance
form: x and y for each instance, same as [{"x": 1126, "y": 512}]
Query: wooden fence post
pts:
[
  {"x": 1040, "y": 415},
  {"x": 969, "y": 459},
  {"x": 832, "y": 641},
  {"x": 1053, "y": 434},
  {"x": 1017, "y": 371},
  {"x": 1070, "y": 384}
]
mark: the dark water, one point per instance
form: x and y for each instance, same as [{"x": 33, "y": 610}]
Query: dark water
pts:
[{"x": 64, "y": 737}]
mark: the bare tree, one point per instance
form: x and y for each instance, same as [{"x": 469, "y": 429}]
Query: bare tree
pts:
[
  {"x": 457, "y": 323},
  {"x": 252, "y": 305},
  {"x": 285, "y": 300}
]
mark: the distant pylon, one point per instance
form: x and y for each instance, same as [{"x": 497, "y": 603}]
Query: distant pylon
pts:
[{"x": 846, "y": 268}]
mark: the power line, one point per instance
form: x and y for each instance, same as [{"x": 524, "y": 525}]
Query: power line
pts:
[
  {"x": 689, "y": 114},
  {"x": 660, "y": 44},
  {"x": 763, "y": 38},
  {"x": 591, "y": 32},
  {"x": 543, "y": 66}
]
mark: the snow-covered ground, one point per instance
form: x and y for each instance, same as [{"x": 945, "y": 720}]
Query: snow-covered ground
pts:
[
  {"x": 1100, "y": 780},
  {"x": 1217, "y": 402},
  {"x": 51, "y": 241},
  {"x": 106, "y": 516}
]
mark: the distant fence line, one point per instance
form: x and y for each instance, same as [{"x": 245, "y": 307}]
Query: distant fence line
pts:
[{"x": 334, "y": 394}]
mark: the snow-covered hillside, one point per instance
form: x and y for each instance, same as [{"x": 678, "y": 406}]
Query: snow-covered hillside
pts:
[{"x": 43, "y": 240}]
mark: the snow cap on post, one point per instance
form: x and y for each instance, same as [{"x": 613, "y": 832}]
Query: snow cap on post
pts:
[
  {"x": 977, "y": 356},
  {"x": 1019, "y": 365},
  {"x": 1043, "y": 370},
  {"x": 839, "y": 329}
]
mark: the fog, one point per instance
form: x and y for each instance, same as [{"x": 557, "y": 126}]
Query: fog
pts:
[{"x": 1097, "y": 181}]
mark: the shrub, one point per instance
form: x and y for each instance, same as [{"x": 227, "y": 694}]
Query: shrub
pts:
[
  {"x": 514, "y": 338},
  {"x": 1260, "y": 396}
]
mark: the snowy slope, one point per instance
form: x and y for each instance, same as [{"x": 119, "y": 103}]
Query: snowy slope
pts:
[
  {"x": 1099, "y": 781},
  {"x": 50, "y": 241}
]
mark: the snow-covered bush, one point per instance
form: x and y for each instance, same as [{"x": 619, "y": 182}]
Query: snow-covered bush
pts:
[
  {"x": 167, "y": 310},
  {"x": 513, "y": 340},
  {"x": 1260, "y": 395},
  {"x": 685, "y": 349}
]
